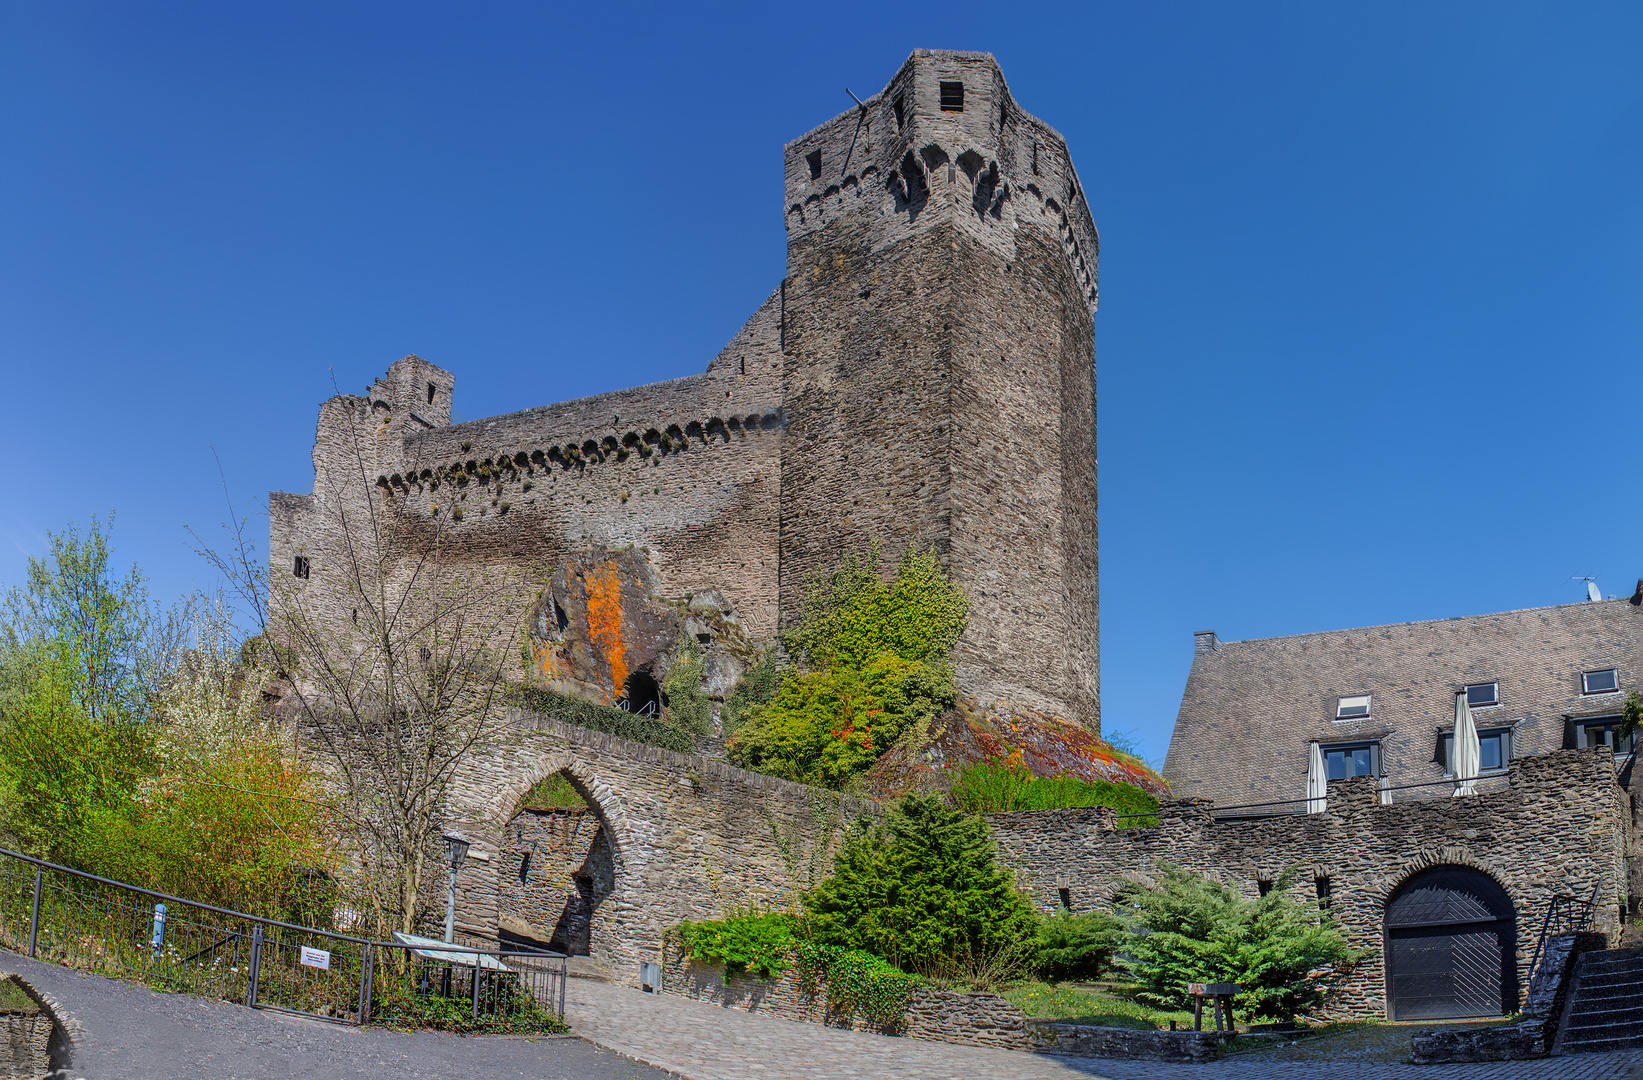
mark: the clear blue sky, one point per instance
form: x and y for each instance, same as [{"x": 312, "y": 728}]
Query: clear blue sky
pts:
[{"x": 1371, "y": 275}]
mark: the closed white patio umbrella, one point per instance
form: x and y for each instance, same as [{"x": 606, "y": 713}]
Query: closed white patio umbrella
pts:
[
  {"x": 1317, "y": 782},
  {"x": 1467, "y": 752}
]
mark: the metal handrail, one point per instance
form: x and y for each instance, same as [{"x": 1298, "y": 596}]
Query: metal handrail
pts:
[{"x": 266, "y": 921}]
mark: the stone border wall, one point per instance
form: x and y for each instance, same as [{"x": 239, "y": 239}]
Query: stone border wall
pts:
[{"x": 1561, "y": 825}]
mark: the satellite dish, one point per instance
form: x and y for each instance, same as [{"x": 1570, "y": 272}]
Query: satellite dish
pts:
[{"x": 1592, "y": 592}]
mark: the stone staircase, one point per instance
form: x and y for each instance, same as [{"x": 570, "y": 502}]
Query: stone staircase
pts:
[{"x": 1604, "y": 1008}]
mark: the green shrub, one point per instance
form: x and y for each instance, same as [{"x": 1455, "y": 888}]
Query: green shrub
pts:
[
  {"x": 850, "y": 616},
  {"x": 756, "y": 689},
  {"x": 1004, "y": 786},
  {"x": 573, "y": 710},
  {"x": 856, "y": 981},
  {"x": 923, "y": 891},
  {"x": 877, "y": 660},
  {"x": 1075, "y": 946},
  {"x": 553, "y": 792},
  {"x": 825, "y": 727},
  {"x": 1188, "y": 929},
  {"x": 747, "y": 942},
  {"x": 687, "y": 706}
]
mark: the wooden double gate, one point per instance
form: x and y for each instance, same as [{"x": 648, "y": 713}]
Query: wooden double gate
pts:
[{"x": 1451, "y": 947}]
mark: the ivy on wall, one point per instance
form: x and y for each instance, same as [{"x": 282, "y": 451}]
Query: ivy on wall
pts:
[{"x": 573, "y": 710}]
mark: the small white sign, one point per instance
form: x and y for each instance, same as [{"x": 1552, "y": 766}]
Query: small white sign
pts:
[{"x": 316, "y": 958}]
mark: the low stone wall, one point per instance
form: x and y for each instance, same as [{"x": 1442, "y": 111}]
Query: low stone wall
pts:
[
  {"x": 938, "y": 1015},
  {"x": 27, "y": 1051},
  {"x": 1087, "y": 1040}
]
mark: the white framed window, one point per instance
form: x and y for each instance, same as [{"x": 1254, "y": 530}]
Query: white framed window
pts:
[
  {"x": 1481, "y": 695},
  {"x": 1352, "y": 708},
  {"x": 1601, "y": 681}
]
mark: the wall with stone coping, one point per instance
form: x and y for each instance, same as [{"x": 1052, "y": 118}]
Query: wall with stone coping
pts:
[
  {"x": 1561, "y": 825},
  {"x": 689, "y": 837},
  {"x": 938, "y": 1015}
]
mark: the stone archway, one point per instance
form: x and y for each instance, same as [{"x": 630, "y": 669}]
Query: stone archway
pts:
[
  {"x": 557, "y": 867},
  {"x": 1451, "y": 946}
]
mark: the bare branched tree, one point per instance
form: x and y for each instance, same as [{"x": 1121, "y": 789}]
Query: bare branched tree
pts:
[{"x": 393, "y": 661}]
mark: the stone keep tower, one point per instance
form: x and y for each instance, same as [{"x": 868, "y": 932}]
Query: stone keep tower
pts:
[
  {"x": 923, "y": 375},
  {"x": 939, "y": 368}
]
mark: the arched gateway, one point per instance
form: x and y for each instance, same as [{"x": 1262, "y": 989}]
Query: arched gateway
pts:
[
  {"x": 662, "y": 837},
  {"x": 1451, "y": 946}
]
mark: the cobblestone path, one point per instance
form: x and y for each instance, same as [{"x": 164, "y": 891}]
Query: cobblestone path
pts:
[{"x": 700, "y": 1041}]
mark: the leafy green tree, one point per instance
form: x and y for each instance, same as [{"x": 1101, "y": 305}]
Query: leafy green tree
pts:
[
  {"x": 923, "y": 890},
  {"x": 73, "y": 598},
  {"x": 753, "y": 693},
  {"x": 1187, "y": 928}
]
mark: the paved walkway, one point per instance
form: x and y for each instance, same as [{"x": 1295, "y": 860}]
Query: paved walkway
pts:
[
  {"x": 129, "y": 1032},
  {"x": 700, "y": 1041}
]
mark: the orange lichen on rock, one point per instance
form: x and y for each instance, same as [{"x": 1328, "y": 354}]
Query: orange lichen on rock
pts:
[{"x": 604, "y": 587}]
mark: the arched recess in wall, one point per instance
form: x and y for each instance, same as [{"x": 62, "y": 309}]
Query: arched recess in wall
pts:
[
  {"x": 560, "y": 865},
  {"x": 1451, "y": 946}
]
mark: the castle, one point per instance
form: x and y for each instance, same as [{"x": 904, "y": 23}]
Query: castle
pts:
[{"x": 922, "y": 376}]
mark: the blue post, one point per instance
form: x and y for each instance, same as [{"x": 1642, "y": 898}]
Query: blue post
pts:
[{"x": 159, "y": 927}]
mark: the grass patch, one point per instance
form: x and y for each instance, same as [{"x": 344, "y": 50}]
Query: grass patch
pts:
[
  {"x": 552, "y": 793},
  {"x": 1089, "y": 1003},
  {"x": 14, "y": 999}
]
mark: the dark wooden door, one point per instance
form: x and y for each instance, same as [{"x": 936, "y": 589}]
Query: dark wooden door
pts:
[{"x": 1451, "y": 946}]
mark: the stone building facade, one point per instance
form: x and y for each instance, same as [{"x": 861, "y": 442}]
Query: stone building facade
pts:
[
  {"x": 1556, "y": 824},
  {"x": 922, "y": 376}
]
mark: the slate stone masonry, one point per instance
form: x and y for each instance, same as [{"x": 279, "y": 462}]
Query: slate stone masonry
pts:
[{"x": 1560, "y": 825}]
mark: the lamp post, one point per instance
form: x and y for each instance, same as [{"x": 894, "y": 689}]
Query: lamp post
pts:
[{"x": 457, "y": 850}]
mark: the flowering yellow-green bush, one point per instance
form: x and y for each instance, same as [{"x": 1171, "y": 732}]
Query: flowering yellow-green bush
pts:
[{"x": 875, "y": 659}]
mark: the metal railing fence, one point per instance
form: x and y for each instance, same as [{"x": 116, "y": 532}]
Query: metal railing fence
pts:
[{"x": 171, "y": 943}]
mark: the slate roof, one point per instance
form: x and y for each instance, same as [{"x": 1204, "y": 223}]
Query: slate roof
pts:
[{"x": 1251, "y": 708}]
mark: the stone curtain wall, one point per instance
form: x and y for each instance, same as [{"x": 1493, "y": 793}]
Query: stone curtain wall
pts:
[
  {"x": 923, "y": 376},
  {"x": 1560, "y": 826},
  {"x": 690, "y": 837}
]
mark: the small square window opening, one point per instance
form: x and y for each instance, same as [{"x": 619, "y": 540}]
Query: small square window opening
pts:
[
  {"x": 1066, "y": 898},
  {"x": 1481, "y": 694},
  {"x": 299, "y": 566},
  {"x": 1599, "y": 682},
  {"x": 431, "y": 389},
  {"x": 1494, "y": 750},
  {"x": 952, "y": 97},
  {"x": 1352, "y": 707},
  {"x": 1341, "y": 762},
  {"x": 813, "y": 159},
  {"x": 1325, "y": 893},
  {"x": 1263, "y": 886}
]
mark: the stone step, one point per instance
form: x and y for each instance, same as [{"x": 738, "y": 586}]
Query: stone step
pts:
[
  {"x": 1598, "y": 1046},
  {"x": 1608, "y": 993},
  {"x": 1618, "y": 1021}
]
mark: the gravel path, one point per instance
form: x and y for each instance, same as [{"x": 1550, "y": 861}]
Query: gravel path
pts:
[{"x": 129, "y": 1032}]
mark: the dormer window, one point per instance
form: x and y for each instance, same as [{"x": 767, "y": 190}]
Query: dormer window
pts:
[
  {"x": 1483, "y": 694},
  {"x": 952, "y": 97},
  {"x": 1352, "y": 759},
  {"x": 1352, "y": 708},
  {"x": 1599, "y": 682}
]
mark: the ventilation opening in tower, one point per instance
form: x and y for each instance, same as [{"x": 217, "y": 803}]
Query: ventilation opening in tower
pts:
[{"x": 640, "y": 694}]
